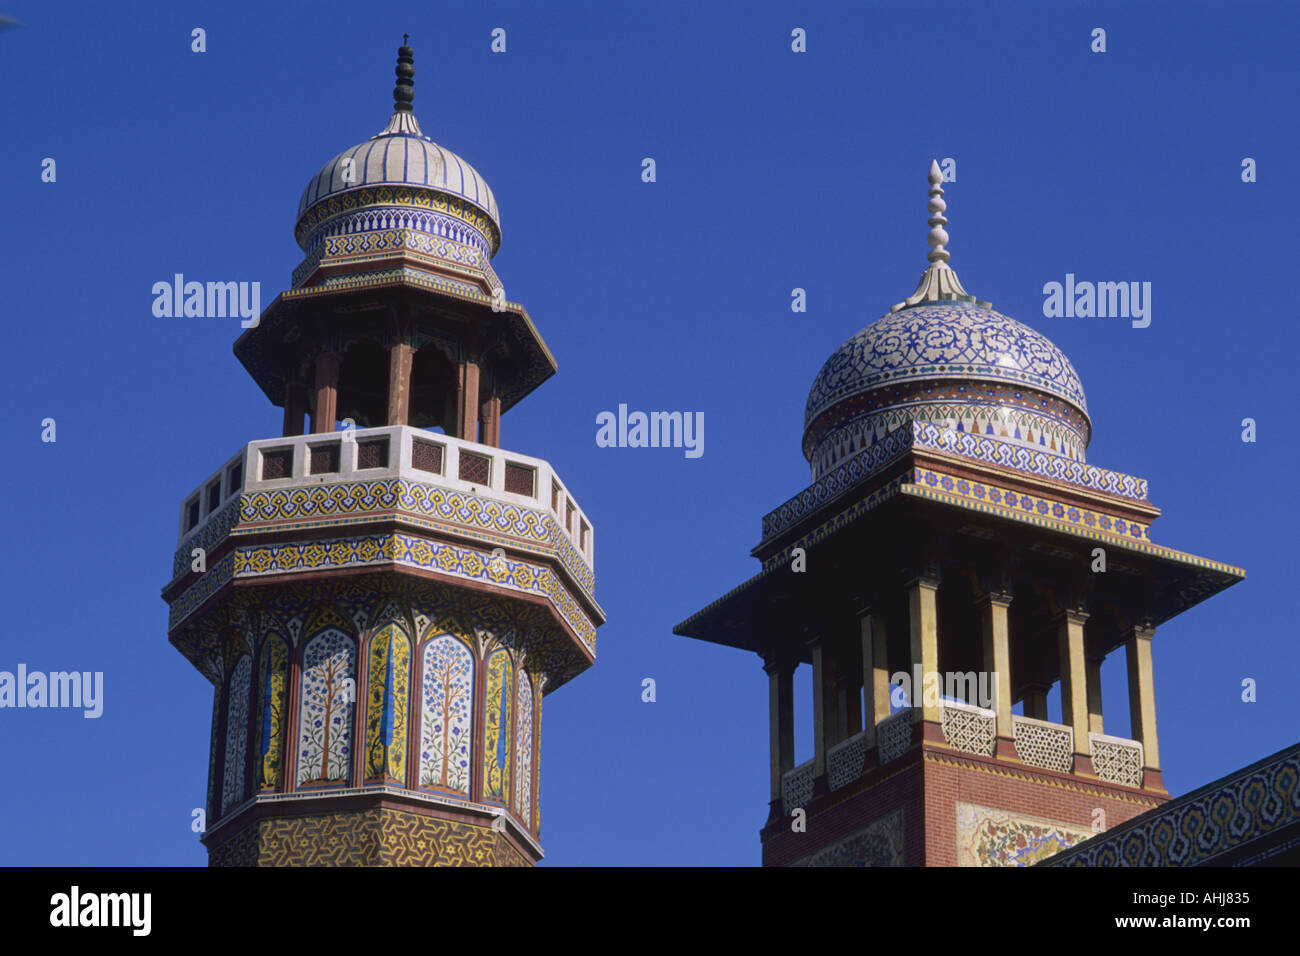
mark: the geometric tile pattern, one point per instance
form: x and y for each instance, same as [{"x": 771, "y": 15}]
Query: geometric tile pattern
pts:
[
  {"x": 989, "y": 837},
  {"x": 412, "y": 551},
  {"x": 1042, "y": 744},
  {"x": 442, "y": 508},
  {"x": 1194, "y": 829},
  {"x": 797, "y": 787},
  {"x": 981, "y": 492},
  {"x": 944, "y": 341},
  {"x": 926, "y": 435},
  {"x": 372, "y": 837},
  {"x": 1117, "y": 761},
  {"x": 356, "y": 199},
  {"x": 1010, "y": 426},
  {"x": 880, "y": 843}
]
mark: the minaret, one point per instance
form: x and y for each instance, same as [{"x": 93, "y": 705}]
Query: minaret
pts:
[
  {"x": 954, "y": 558},
  {"x": 382, "y": 600}
]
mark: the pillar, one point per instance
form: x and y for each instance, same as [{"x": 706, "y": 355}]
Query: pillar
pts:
[
  {"x": 820, "y": 729},
  {"x": 923, "y": 622},
  {"x": 1074, "y": 681},
  {"x": 492, "y": 422},
  {"x": 326, "y": 402},
  {"x": 295, "y": 407},
  {"x": 875, "y": 672},
  {"x": 995, "y": 626},
  {"x": 1036, "y": 701},
  {"x": 1094, "y": 696},
  {"x": 780, "y": 707},
  {"x": 1142, "y": 700},
  {"x": 399, "y": 384},
  {"x": 467, "y": 401}
]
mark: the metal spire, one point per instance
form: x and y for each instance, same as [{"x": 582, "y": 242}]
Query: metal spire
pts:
[
  {"x": 938, "y": 282},
  {"x": 403, "y": 121}
]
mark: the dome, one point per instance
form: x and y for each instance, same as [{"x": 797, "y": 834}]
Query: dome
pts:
[
  {"x": 401, "y": 158},
  {"x": 945, "y": 358},
  {"x": 400, "y": 179}
]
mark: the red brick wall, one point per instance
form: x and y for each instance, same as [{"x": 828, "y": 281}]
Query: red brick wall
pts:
[{"x": 929, "y": 791}]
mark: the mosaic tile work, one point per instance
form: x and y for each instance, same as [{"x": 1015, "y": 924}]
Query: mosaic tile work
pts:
[
  {"x": 944, "y": 341},
  {"x": 496, "y": 742},
  {"x": 232, "y": 786},
  {"x": 927, "y": 436},
  {"x": 467, "y": 258},
  {"x": 325, "y": 717},
  {"x": 983, "y": 492},
  {"x": 880, "y": 843},
  {"x": 1229, "y": 815},
  {"x": 273, "y": 697},
  {"x": 440, "y": 507},
  {"x": 413, "y": 198},
  {"x": 447, "y": 708},
  {"x": 1010, "y": 426},
  {"x": 376, "y": 837},
  {"x": 386, "y": 702},
  {"x": 988, "y": 837},
  {"x": 523, "y": 799},
  {"x": 387, "y": 549}
]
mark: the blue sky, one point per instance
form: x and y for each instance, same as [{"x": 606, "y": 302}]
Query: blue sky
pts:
[{"x": 775, "y": 170}]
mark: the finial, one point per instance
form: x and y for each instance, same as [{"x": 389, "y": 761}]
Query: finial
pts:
[
  {"x": 404, "y": 92},
  {"x": 938, "y": 237},
  {"x": 938, "y": 282}
]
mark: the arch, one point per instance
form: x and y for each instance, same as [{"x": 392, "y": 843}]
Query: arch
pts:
[
  {"x": 363, "y": 384},
  {"x": 499, "y": 701},
  {"x": 524, "y": 750},
  {"x": 272, "y": 713},
  {"x": 327, "y": 695},
  {"x": 387, "y": 694},
  {"x": 446, "y": 714},
  {"x": 433, "y": 389},
  {"x": 234, "y": 776}
]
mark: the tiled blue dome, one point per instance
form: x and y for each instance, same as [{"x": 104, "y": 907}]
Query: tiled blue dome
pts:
[
  {"x": 958, "y": 364},
  {"x": 944, "y": 341}
]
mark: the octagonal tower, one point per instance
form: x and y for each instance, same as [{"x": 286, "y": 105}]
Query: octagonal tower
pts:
[
  {"x": 953, "y": 560},
  {"x": 382, "y": 608}
]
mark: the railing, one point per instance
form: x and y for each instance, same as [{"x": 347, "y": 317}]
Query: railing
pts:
[
  {"x": 797, "y": 787},
  {"x": 1116, "y": 759},
  {"x": 894, "y": 735},
  {"x": 366, "y": 454},
  {"x": 1041, "y": 743},
  {"x": 969, "y": 728},
  {"x": 844, "y": 761}
]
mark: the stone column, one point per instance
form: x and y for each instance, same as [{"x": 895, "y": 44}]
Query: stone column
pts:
[
  {"x": 295, "y": 407},
  {"x": 467, "y": 401},
  {"x": 996, "y": 631},
  {"x": 1074, "y": 684},
  {"x": 780, "y": 707},
  {"x": 399, "y": 384},
  {"x": 327, "y": 392},
  {"x": 923, "y": 623},
  {"x": 1142, "y": 703},
  {"x": 1094, "y": 695}
]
